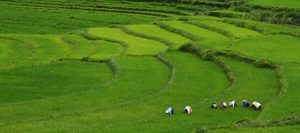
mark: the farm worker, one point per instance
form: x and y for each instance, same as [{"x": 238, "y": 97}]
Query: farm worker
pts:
[
  {"x": 170, "y": 111},
  {"x": 232, "y": 103},
  {"x": 224, "y": 104},
  {"x": 246, "y": 103},
  {"x": 214, "y": 105},
  {"x": 256, "y": 105},
  {"x": 188, "y": 109}
]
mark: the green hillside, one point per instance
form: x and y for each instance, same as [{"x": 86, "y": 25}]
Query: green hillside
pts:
[{"x": 110, "y": 66}]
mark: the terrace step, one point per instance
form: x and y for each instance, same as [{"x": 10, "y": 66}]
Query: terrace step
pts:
[
  {"x": 83, "y": 47},
  {"x": 136, "y": 45},
  {"x": 206, "y": 37},
  {"x": 106, "y": 50},
  {"x": 227, "y": 29},
  {"x": 174, "y": 41}
]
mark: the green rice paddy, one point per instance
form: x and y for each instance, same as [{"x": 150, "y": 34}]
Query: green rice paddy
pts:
[{"x": 116, "y": 66}]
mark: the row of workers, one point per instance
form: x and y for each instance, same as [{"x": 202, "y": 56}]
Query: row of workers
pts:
[{"x": 188, "y": 109}]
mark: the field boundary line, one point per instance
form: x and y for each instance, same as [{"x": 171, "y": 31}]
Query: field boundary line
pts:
[
  {"x": 130, "y": 32},
  {"x": 172, "y": 68},
  {"x": 214, "y": 29},
  {"x": 177, "y": 31},
  {"x": 88, "y": 36},
  {"x": 282, "y": 89},
  {"x": 73, "y": 43},
  {"x": 203, "y": 55}
]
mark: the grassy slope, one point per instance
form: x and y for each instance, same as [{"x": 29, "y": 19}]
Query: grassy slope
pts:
[
  {"x": 94, "y": 106},
  {"x": 104, "y": 96},
  {"x": 145, "y": 109},
  {"x": 137, "y": 45},
  {"x": 154, "y": 31}
]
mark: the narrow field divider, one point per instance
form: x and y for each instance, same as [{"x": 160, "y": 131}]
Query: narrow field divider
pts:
[
  {"x": 93, "y": 38},
  {"x": 172, "y": 71},
  {"x": 218, "y": 30},
  {"x": 177, "y": 31},
  {"x": 126, "y": 30},
  {"x": 209, "y": 55},
  {"x": 74, "y": 44}
]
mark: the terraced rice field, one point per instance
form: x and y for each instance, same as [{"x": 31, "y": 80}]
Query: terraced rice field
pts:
[{"x": 111, "y": 66}]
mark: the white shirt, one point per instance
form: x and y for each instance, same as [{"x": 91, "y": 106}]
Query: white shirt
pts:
[
  {"x": 224, "y": 104},
  {"x": 189, "y": 109},
  {"x": 214, "y": 105},
  {"x": 232, "y": 103},
  {"x": 169, "y": 111},
  {"x": 256, "y": 104}
]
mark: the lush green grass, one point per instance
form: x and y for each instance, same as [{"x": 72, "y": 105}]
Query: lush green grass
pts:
[
  {"x": 136, "y": 45},
  {"x": 152, "y": 30},
  {"x": 277, "y": 3}
]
